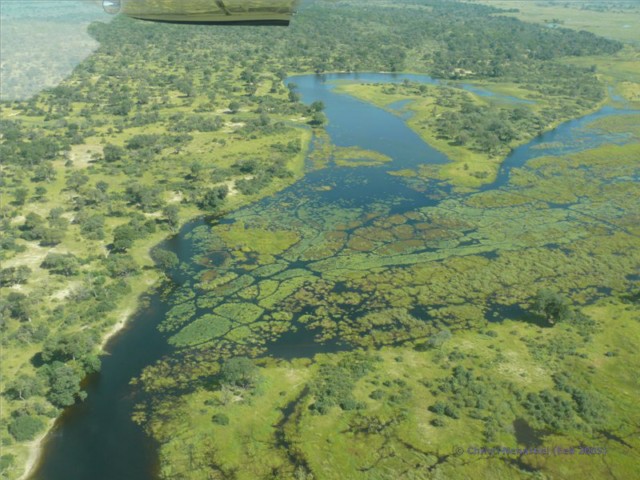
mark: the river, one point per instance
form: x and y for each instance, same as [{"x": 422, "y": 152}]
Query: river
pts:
[{"x": 97, "y": 440}]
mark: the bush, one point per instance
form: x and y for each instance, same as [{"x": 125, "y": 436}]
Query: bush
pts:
[
  {"x": 376, "y": 394},
  {"x": 220, "y": 419},
  {"x": 25, "y": 427},
  {"x": 438, "y": 422},
  {"x": 61, "y": 263},
  {"x": 6, "y": 461}
]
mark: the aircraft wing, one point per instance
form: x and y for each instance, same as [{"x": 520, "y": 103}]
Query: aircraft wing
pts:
[{"x": 278, "y": 12}]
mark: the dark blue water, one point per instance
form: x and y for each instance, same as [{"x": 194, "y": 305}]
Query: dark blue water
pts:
[{"x": 96, "y": 440}]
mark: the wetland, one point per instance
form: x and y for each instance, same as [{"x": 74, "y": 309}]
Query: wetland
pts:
[
  {"x": 333, "y": 275},
  {"x": 315, "y": 271}
]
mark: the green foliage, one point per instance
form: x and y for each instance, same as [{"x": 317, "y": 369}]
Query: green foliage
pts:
[
  {"x": 25, "y": 427},
  {"x": 240, "y": 312},
  {"x": 453, "y": 282},
  {"x": 113, "y": 153},
  {"x": 68, "y": 347},
  {"x": 178, "y": 315},
  {"x": 145, "y": 196},
  {"x": 318, "y": 119},
  {"x": 17, "y": 305},
  {"x": 123, "y": 237},
  {"x": 14, "y": 275},
  {"x": 165, "y": 259},
  {"x": 24, "y": 386},
  {"x": 120, "y": 265},
  {"x": 205, "y": 328},
  {"x": 64, "y": 382},
  {"x": 234, "y": 107},
  {"x": 240, "y": 372},
  {"x": 220, "y": 419},
  {"x": 333, "y": 385},
  {"x": 439, "y": 339},
  {"x": 61, "y": 263},
  {"x": 92, "y": 226},
  {"x": 553, "y": 306},
  {"x": 550, "y": 410},
  {"x": 213, "y": 198},
  {"x": 172, "y": 216},
  {"x": 6, "y": 462},
  {"x": 138, "y": 142},
  {"x": 76, "y": 180}
]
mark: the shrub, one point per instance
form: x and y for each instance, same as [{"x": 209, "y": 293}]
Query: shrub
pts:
[
  {"x": 25, "y": 427},
  {"x": 220, "y": 419}
]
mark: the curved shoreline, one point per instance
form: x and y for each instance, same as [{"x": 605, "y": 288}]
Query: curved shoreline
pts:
[{"x": 36, "y": 446}]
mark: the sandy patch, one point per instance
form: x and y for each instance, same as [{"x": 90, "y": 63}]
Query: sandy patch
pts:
[
  {"x": 81, "y": 155},
  {"x": 35, "y": 450},
  {"x": 32, "y": 257},
  {"x": 176, "y": 197},
  {"x": 65, "y": 292},
  {"x": 233, "y": 126},
  {"x": 122, "y": 320}
]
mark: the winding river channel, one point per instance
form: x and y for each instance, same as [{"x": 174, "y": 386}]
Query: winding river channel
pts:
[{"x": 97, "y": 440}]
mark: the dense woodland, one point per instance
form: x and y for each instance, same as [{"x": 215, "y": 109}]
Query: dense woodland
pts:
[{"x": 164, "y": 122}]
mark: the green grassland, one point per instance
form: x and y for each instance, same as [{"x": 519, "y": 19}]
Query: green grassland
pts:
[{"x": 616, "y": 20}]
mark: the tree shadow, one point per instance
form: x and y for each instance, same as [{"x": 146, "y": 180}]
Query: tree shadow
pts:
[{"x": 497, "y": 313}]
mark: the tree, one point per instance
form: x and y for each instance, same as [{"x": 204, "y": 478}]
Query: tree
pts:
[
  {"x": 17, "y": 305},
  {"x": 317, "y": 106},
  {"x": 64, "y": 383},
  {"x": 437, "y": 340},
  {"x": 92, "y": 227},
  {"x": 123, "y": 237},
  {"x": 234, "y": 107},
  {"x": 76, "y": 180},
  {"x": 220, "y": 419},
  {"x": 66, "y": 347},
  {"x": 239, "y": 371},
  {"x": 165, "y": 260},
  {"x": 24, "y": 387},
  {"x": 553, "y": 306},
  {"x": 172, "y": 216},
  {"x": 52, "y": 236},
  {"x": 20, "y": 195},
  {"x": 120, "y": 265},
  {"x": 102, "y": 186},
  {"x": 61, "y": 263},
  {"x": 14, "y": 275},
  {"x": 318, "y": 119},
  {"x": 214, "y": 198},
  {"x": 33, "y": 226},
  {"x": 44, "y": 173}
]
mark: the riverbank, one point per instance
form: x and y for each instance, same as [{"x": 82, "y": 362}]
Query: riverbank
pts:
[{"x": 150, "y": 278}]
